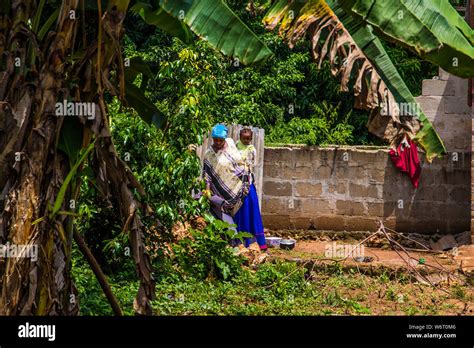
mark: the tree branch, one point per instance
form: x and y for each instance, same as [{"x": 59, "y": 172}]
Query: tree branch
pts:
[{"x": 81, "y": 243}]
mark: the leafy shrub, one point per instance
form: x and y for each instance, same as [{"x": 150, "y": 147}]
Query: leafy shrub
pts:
[
  {"x": 207, "y": 253},
  {"x": 92, "y": 300},
  {"x": 326, "y": 126},
  {"x": 167, "y": 170},
  {"x": 99, "y": 225}
]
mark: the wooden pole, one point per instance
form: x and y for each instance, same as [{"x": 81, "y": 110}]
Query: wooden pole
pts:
[{"x": 81, "y": 243}]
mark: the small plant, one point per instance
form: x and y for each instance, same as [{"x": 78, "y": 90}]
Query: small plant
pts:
[
  {"x": 207, "y": 253},
  {"x": 384, "y": 278},
  {"x": 458, "y": 292},
  {"x": 390, "y": 294}
]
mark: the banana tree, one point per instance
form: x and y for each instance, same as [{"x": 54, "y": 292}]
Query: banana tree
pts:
[
  {"x": 348, "y": 33},
  {"x": 51, "y": 54}
]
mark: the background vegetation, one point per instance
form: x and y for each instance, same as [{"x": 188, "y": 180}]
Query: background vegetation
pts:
[{"x": 196, "y": 86}]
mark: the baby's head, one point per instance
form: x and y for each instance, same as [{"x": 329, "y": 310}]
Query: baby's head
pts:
[{"x": 246, "y": 136}]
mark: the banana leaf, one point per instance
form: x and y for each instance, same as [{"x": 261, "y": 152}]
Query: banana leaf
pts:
[
  {"x": 138, "y": 66},
  {"x": 135, "y": 96},
  {"x": 431, "y": 28},
  {"x": 146, "y": 109},
  {"x": 161, "y": 19},
  {"x": 352, "y": 49},
  {"x": 427, "y": 137},
  {"x": 214, "y": 21}
]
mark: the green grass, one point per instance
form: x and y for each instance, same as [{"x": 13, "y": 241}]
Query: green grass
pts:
[{"x": 281, "y": 288}]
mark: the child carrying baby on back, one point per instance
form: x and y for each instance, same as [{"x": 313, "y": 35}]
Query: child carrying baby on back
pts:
[{"x": 248, "y": 218}]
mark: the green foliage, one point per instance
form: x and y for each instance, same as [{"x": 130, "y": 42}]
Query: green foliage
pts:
[
  {"x": 280, "y": 288},
  {"x": 412, "y": 68},
  {"x": 195, "y": 86},
  {"x": 92, "y": 300},
  {"x": 207, "y": 253},
  {"x": 162, "y": 164},
  {"x": 98, "y": 223},
  {"x": 273, "y": 289},
  {"x": 326, "y": 126}
]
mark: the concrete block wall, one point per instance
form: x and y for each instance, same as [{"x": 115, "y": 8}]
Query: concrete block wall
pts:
[
  {"x": 349, "y": 188},
  {"x": 444, "y": 101}
]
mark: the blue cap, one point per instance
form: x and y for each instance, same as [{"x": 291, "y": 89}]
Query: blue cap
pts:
[{"x": 219, "y": 131}]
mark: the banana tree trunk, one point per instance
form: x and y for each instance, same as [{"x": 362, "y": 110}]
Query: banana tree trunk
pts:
[
  {"x": 32, "y": 172},
  {"x": 35, "y": 178}
]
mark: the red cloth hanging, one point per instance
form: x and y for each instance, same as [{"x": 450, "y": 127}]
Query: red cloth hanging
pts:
[{"x": 406, "y": 160}]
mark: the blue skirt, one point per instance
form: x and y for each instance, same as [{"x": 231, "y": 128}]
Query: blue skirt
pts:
[{"x": 248, "y": 219}]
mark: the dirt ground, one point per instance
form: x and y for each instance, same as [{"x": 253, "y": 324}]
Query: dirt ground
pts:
[
  {"x": 389, "y": 258},
  {"x": 387, "y": 284}
]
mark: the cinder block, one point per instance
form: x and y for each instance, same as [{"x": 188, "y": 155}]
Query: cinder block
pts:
[
  {"x": 315, "y": 207},
  {"x": 298, "y": 173},
  {"x": 431, "y": 104},
  {"x": 426, "y": 227},
  {"x": 429, "y": 226},
  {"x": 390, "y": 222},
  {"x": 440, "y": 193},
  {"x": 271, "y": 171},
  {"x": 424, "y": 193},
  {"x": 404, "y": 226},
  {"x": 361, "y": 224},
  {"x": 282, "y": 155},
  {"x": 350, "y": 208},
  {"x": 427, "y": 177},
  {"x": 454, "y": 177},
  {"x": 335, "y": 223},
  {"x": 361, "y": 157},
  {"x": 277, "y": 188},
  {"x": 303, "y": 156},
  {"x": 461, "y": 195},
  {"x": 270, "y": 155},
  {"x": 324, "y": 156},
  {"x": 360, "y": 172},
  {"x": 301, "y": 223},
  {"x": 339, "y": 188},
  {"x": 315, "y": 155},
  {"x": 437, "y": 122},
  {"x": 276, "y": 222},
  {"x": 356, "y": 190},
  {"x": 403, "y": 213},
  {"x": 275, "y": 205},
  {"x": 383, "y": 208},
  {"x": 400, "y": 188},
  {"x": 342, "y": 173},
  {"x": 460, "y": 85},
  {"x": 443, "y": 75},
  {"x": 306, "y": 189},
  {"x": 377, "y": 176},
  {"x": 437, "y": 88},
  {"x": 389, "y": 208},
  {"x": 456, "y": 105},
  {"x": 458, "y": 226},
  {"x": 321, "y": 173},
  {"x": 423, "y": 209},
  {"x": 442, "y": 202},
  {"x": 375, "y": 209},
  {"x": 461, "y": 143}
]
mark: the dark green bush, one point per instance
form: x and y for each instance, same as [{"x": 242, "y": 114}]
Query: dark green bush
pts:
[{"x": 207, "y": 253}]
